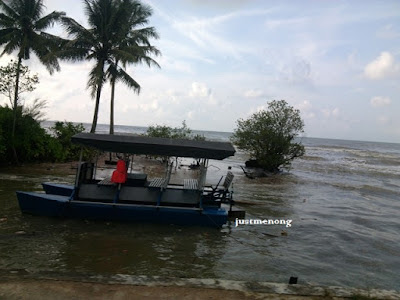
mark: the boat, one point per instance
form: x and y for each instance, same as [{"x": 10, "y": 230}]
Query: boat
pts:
[{"x": 133, "y": 197}]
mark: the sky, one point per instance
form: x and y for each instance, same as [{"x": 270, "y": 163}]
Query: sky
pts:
[{"x": 338, "y": 62}]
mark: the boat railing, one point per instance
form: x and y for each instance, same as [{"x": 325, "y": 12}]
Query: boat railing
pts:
[
  {"x": 228, "y": 180},
  {"x": 222, "y": 193}
]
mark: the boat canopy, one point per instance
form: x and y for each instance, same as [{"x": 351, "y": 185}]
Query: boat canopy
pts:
[{"x": 155, "y": 146}]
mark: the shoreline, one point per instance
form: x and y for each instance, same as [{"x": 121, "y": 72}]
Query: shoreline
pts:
[{"x": 21, "y": 284}]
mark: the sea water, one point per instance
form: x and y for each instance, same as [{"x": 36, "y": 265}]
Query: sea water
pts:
[{"x": 342, "y": 199}]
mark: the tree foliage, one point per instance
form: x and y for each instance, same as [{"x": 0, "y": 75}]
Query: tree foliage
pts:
[
  {"x": 63, "y": 132},
  {"x": 8, "y": 74},
  {"x": 183, "y": 132},
  {"x": 132, "y": 47},
  {"x": 268, "y": 135},
  {"x": 35, "y": 110},
  {"x": 22, "y": 26},
  {"x": 32, "y": 142}
]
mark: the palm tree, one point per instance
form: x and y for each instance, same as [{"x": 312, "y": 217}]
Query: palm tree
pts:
[
  {"x": 93, "y": 44},
  {"x": 21, "y": 29},
  {"x": 109, "y": 41},
  {"x": 133, "y": 47}
]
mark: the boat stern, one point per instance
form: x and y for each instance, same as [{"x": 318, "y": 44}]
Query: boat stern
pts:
[{"x": 42, "y": 204}]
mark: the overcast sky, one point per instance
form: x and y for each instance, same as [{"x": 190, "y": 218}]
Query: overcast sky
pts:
[{"x": 336, "y": 61}]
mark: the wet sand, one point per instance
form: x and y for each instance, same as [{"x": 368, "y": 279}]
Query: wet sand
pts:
[
  {"x": 48, "y": 289},
  {"x": 22, "y": 284}
]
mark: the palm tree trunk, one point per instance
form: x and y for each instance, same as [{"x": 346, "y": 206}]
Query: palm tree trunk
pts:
[
  {"x": 15, "y": 107},
  {"x": 96, "y": 109},
  {"x": 112, "y": 106}
]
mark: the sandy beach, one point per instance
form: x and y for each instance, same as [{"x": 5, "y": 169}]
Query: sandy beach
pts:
[{"x": 20, "y": 284}]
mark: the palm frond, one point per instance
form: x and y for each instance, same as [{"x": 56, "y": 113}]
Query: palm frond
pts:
[
  {"x": 128, "y": 80},
  {"x": 11, "y": 46},
  {"x": 9, "y": 11},
  {"x": 142, "y": 35},
  {"x": 8, "y": 34},
  {"x": 90, "y": 12},
  {"x": 48, "y": 20},
  {"x": 73, "y": 27},
  {"x": 96, "y": 78},
  {"x": 36, "y": 8},
  {"x": 137, "y": 54},
  {"x": 22, "y": 22},
  {"x": 43, "y": 46},
  {"x": 6, "y": 21}
]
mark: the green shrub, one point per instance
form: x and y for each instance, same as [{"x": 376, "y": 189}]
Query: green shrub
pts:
[
  {"x": 159, "y": 131},
  {"x": 2, "y": 143},
  {"x": 182, "y": 132},
  {"x": 268, "y": 136},
  {"x": 32, "y": 143},
  {"x": 63, "y": 132}
]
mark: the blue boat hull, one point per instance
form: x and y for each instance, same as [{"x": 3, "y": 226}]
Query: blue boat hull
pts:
[
  {"x": 58, "y": 188},
  {"x": 59, "y": 206}
]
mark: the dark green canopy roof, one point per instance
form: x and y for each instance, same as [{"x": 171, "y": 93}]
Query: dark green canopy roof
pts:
[{"x": 155, "y": 146}]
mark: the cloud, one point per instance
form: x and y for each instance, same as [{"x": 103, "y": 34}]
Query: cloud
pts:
[
  {"x": 275, "y": 24},
  {"x": 306, "y": 109},
  {"x": 298, "y": 70},
  {"x": 379, "y": 101},
  {"x": 383, "y": 66},
  {"x": 383, "y": 120},
  {"x": 225, "y": 4},
  {"x": 331, "y": 112},
  {"x": 254, "y": 93},
  {"x": 199, "y": 90},
  {"x": 305, "y": 105},
  {"x": 335, "y": 112},
  {"x": 388, "y": 32},
  {"x": 206, "y": 31}
]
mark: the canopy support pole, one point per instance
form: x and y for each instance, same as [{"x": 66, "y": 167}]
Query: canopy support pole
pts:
[{"x": 78, "y": 174}]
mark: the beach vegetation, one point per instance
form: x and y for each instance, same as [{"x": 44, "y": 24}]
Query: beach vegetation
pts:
[
  {"x": 110, "y": 41},
  {"x": 182, "y": 132},
  {"x": 8, "y": 74},
  {"x": 22, "y": 26},
  {"x": 269, "y": 136},
  {"x": 31, "y": 141},
  {"x": 2, "y": 143},
  {"x": 63, "y": 132},
  {"x": 36, "y": 109}
]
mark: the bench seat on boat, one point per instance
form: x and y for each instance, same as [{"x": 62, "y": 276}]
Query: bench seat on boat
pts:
[
  {"x": 157, "y": 182},
  {"x": 139, "y": 195},
  {"x": 144, "y": 195},
  {"x": 106, "y": 181},
  {"x": 190, "y": 184}
]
